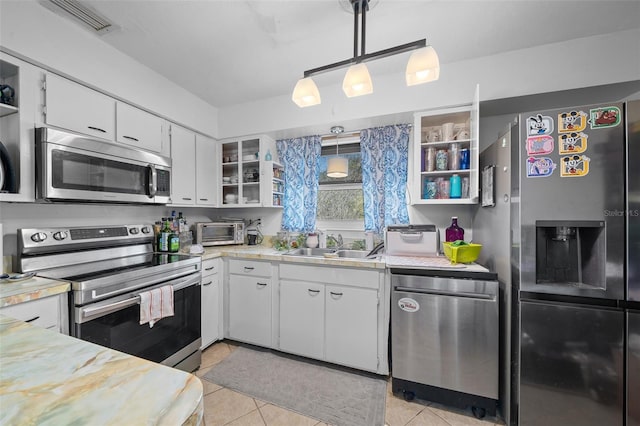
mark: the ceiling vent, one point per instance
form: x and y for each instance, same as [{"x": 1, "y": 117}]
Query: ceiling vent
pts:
[{"x": 82, "y": 13}]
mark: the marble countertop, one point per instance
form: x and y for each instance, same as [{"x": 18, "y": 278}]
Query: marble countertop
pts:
[
  {"x": 381, "y": 262},
  {"x": 90, "y": 384},
  {"x": 12, "y": 293},
  {"x": 269, "y": 253}
]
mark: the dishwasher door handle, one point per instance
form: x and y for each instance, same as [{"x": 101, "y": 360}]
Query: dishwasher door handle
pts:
[{"x": 450, "y": 293}]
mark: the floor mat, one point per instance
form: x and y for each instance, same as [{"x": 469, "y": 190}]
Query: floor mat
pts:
[{"x": 334, "y": 395}]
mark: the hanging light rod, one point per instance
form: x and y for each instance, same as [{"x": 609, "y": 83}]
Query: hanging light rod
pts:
[
  {"x": 368, "y": 57},
  {"x": 423, "y": 65}
]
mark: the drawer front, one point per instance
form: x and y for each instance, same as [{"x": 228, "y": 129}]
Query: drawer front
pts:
[
  {"x": 249, "y": 267},
  {"x": 343, "y": 276},
  {"x": 210, "y": 267},
  {"x": 43, "y": 312}
]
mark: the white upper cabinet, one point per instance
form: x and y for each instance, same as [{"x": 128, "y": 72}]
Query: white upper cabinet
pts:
[
  {"x": 17, "y": 118},
  {"x": 138, "y": 128},
  {"x": 445, "y": 150},
  {"x": 246, "y": 173},
  {"x": 72, "y": 106},
  {"x": 183, "y": 157},
  {"x": 206, "y": 171}
]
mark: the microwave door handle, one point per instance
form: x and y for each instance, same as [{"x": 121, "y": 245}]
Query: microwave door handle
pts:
[{"x": 153, "y": 180}]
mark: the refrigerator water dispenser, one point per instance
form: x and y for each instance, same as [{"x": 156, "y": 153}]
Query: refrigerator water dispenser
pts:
[{"x": 570, "y": 253}]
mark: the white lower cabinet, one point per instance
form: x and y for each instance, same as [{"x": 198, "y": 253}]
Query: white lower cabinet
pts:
[
  {"x": 302, "y": 318},
  {"x": 249, "y": 303},
  {"x": 47, "y": 312},
  {"x": 211, "y": 316},
  {"x": 331, "y": 314},
  {"x": 351, "y": 335}
]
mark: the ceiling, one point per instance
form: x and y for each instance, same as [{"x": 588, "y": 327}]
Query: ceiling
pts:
[{"x": 231, "y": 52}]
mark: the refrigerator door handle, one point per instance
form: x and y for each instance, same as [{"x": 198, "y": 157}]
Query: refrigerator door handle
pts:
[{"x": 444, "y": 293}]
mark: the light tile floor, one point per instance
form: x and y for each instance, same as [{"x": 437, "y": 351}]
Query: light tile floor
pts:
[{"x": 225, "y": 407}]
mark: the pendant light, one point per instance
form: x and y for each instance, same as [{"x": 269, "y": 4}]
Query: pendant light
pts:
[
  {"x": 306, "y": 93},
  {"x": 357, "y": 81},
  {"x": 423, "y": 65},
  {"x": 337, "y": 167}
]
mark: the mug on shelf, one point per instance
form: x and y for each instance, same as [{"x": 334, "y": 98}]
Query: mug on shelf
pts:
[{"x": 447, "y": 131}]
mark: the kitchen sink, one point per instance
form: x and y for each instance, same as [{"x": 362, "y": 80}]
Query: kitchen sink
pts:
[
  {"x": 310, "y": 251},
  {"x": 354, "y": 254},
  {"x": 320, "y": 252}
]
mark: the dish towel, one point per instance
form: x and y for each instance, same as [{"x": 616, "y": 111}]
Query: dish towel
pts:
[{"x": 156, "y": 304}]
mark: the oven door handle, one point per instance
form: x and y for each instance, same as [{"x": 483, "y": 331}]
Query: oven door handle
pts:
[{"x": 91, "y": 312}]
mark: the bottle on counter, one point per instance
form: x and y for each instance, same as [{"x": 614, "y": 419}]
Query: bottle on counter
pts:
[
  {"x": 174, "y": 242},
  {"x": 454, "y": 232},
  {"x": 182, "y": 223},
  {"x": 163, "y": 236},
  {"x": 173, "y": 221}
]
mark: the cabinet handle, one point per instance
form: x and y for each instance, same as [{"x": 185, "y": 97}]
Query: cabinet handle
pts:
[
  {"x": 97, "y": 129},
  {"x": 186, "y": 199},
  {"x": 248, "y": 268},
  {"x": 209, "y": 283},
  {"x": 208, "y": 269},
  {"x": 315, "y": 292},
  {"x": 333, "y": 293},
  {"x": 262, "y": 284},
  {"x": 32, "y": 319},
  {"x": 204, "y": 199},
  {"x": 131, "y": 138}
]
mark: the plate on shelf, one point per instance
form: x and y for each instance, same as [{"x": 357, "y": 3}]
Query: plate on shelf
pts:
[
  {"x": 252, "y": 201},
  {"x": 249, "y": 157}
]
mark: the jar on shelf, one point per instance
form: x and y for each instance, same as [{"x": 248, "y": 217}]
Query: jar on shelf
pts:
[
  {"x": 454, "y": 156},
  {"x": 442, "y": 161}
]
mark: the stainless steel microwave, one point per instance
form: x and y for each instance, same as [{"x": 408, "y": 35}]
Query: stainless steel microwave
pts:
[
  {"x": 219, "y": 233},
  {"x": 73, "y": 167}
]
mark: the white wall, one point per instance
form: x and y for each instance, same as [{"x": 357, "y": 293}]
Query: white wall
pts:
[
  {"x": 591, "y": 61},
  {"x": 38, "y": 34}
]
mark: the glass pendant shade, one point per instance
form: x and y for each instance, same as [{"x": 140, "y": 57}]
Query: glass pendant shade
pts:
[
  {"x": 338, "y": 167},
  {"x": 357, "y": 81},
  {"x": 423, "y": 66},
  {"x": 306, "y": 93}
]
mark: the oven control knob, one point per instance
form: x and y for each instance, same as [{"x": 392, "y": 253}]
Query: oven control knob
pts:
[
  {"x": 133, "y": 231},
  {"x": 146, "y": 230},
  {"x": 39, "y": 237},
  {"x": 61, "y": 235}
]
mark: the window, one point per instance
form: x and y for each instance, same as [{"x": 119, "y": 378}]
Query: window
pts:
[{"x": 341, "y": 199}]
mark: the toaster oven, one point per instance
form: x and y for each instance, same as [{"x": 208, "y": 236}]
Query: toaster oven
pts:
[{"x": 219, "y": 233}]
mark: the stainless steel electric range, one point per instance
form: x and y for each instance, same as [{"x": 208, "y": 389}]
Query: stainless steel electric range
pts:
[{"x": 108, "y": 267}]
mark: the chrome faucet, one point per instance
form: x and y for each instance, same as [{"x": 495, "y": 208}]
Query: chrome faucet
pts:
[{"x": 336, "y": 240}]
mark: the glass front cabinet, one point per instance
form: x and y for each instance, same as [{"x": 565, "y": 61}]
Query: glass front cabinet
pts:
[
  {"x": 444, "y": 155},
  {"x": 249, "y": 172}
]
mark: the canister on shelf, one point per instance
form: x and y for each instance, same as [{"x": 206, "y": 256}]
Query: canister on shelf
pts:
[
  {"x": 444, "y": 188},
  {"x": 455, "y": 184},
  {"x": 464, "y": 159},
  {"x": 432, "y": 190},
  {"x": 465, "y": 187},
  {"x": 441, "y": 159},
  {"x": 430, "y": 159},
  {"x": 454, "y": 156}
]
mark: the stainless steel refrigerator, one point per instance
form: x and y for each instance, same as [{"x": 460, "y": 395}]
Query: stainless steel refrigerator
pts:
[
  {"x": 565, "y": 244},
  {"x": 576, "y": 267}
]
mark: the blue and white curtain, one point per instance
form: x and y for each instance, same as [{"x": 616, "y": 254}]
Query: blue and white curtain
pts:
[
  {"x": 385, "y": 157},
  {"x": 300, "y": 157}
]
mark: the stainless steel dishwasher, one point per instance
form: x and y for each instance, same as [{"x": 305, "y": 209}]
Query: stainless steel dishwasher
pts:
[{"x": 444, "y": 337}]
